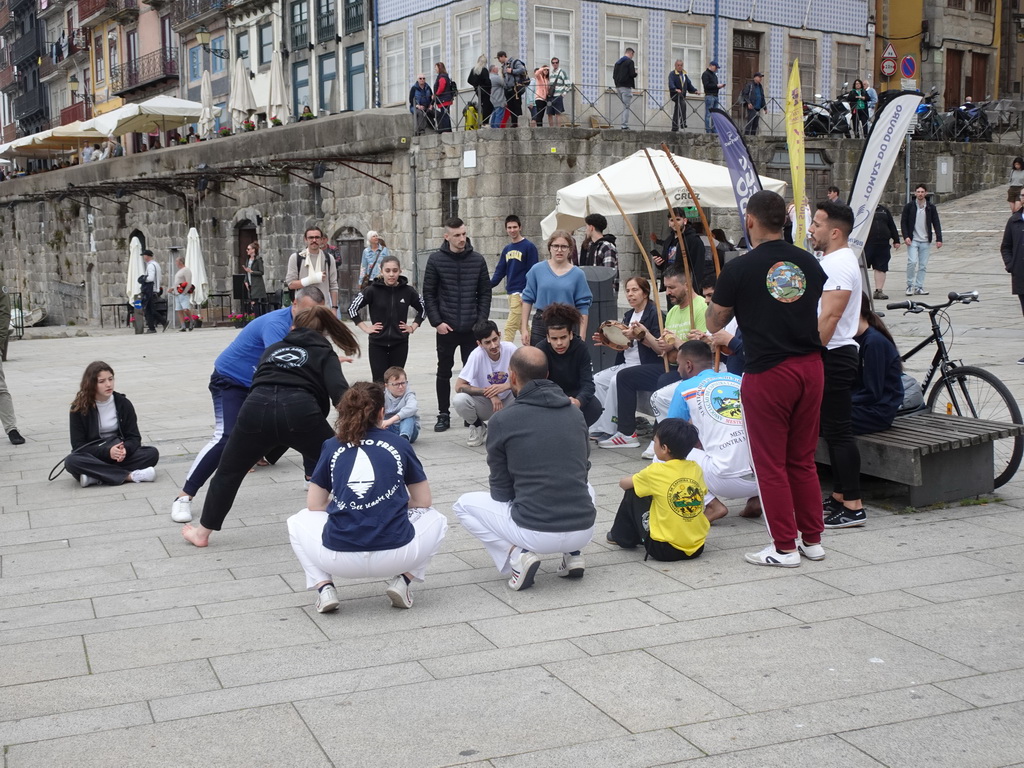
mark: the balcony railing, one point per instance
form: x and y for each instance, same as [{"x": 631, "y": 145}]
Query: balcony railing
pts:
[
  {"x": 77, "y": 111},
  {"x": 353, "y": 16},
  {"x": 300, "y": 35},
  {"x": 47, "y": 7},
  {"x": 195, "y": 11},
  {"x": 89, "y": 8},
  {"x": 326, "y": 28},
  {"x": 27, "y": 105},
  {"x": 26, "y": 47},
  {"x": 154, "y": 67},
  {"x": 125, "y": 10},
  {"x": 47, "y": 67}
]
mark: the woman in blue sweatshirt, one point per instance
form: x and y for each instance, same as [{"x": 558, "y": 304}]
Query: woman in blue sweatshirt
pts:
[
  {"x": 878, "y": 391},
  {"x": 556, "y": 279}
]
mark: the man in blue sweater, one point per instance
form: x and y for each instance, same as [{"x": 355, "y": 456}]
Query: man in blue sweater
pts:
[
  {"x": 513, "y": 264},
  {"x": 229, "y": 384}
]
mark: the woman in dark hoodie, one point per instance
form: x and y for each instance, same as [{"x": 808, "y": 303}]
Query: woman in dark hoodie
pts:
[
  {"x": 388, "y": 298},
  {"x": 296, "y": 383},
  {"x": 569, "y": 363}
]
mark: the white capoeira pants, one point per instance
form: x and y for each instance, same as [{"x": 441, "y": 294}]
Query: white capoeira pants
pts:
[
  {"x": 604, "y": 386},
  {"x": 491, "y": 522},
  {"x": 723, "y": 488},
  {"x": 306, "y": 528},
  {"x": 661, "y": 400}
]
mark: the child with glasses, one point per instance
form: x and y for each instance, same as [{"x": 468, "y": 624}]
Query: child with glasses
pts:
[{"x": 401, "y": 412}]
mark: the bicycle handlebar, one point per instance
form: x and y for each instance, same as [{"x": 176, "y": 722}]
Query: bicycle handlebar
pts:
[{"x": 918, "y": 306}]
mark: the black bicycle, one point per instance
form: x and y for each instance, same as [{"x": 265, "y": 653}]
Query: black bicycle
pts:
[{"x": 965, "y": 390}]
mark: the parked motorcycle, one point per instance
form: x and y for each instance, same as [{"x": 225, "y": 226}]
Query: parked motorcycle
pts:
[
  {"x": 828, "y": 118},
  {"x": 969, "y": 122},
  {"x": 930, "y": 124}
]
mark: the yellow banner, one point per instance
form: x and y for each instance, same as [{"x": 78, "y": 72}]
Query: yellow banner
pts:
[{"x": 795, "y": 142}]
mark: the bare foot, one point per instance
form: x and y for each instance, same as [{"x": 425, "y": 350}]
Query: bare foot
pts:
[
  {"x": 716, "y": 510},
  {"x": 753, "y": 508},
  {"x": 200, "y": 536},
  {"x": 262, "y": 463}
]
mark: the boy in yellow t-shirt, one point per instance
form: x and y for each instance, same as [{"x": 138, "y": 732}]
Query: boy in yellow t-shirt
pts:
[{"x": 672, "y": 524}]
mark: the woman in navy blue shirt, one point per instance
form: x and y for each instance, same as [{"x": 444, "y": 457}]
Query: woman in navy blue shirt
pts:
[
  {"x": 878, "y": 391},
  {"x": 369, "y": 512}
]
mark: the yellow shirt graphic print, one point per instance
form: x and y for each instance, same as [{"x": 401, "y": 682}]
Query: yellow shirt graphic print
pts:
[{"x": 677, "y": 490}]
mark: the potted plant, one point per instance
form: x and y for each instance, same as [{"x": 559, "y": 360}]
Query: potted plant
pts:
[
  {"x": 248, "y": 125},
  {"x": 196, "y": 320},
  {"x": 225, "y": 131},
  {"x": 275, "y": 121},
  {"x": 241, "y": 320}
]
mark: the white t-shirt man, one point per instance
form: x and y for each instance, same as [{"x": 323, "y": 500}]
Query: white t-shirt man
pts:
[
  {"x": 843, "y": 274},
  {"x": 481, "y": 371}
]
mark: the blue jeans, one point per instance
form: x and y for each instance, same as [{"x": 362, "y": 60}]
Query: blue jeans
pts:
[
  {"x": 408, "y": 428},
  {"x": 710, "y": 102},
  {"x": 917, "y": 262},
  {"x": 497, "y": 116},
  {"x": 626, "y": 96}
]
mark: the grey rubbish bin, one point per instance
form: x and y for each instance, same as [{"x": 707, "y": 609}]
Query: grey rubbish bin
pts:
[{"x": 605, "y": 306}]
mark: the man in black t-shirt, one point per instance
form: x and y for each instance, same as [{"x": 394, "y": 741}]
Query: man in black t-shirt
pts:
[{"x": 773, "y": 291}]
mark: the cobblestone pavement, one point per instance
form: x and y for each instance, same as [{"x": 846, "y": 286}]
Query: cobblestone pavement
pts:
[{"x": 122, "y": 645}]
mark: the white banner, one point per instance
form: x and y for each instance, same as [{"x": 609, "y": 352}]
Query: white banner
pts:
[{"x": 892, "y": 121}]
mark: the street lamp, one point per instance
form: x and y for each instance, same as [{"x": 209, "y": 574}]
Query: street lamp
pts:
[
  {"x": 73, "y": 87},
  {"x": 203, "y": 38}
]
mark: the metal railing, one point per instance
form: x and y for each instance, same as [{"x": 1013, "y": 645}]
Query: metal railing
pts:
[
  {"x": 326, "y": 28},
  {"x": 26, "y": 47},
  {"x": 77, "y": 111},
  {"x": 88, "y": 8},
  {"x": 186, "y": 10},
  {"x": 161, "y": 64},
  {"x": 354, "y": 15},
  {"x": 300, "y": 34},
  {"x": 29, "y": 104}
]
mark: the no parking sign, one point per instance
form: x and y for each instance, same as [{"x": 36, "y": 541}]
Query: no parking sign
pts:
[{"x": 908, "y": 67}]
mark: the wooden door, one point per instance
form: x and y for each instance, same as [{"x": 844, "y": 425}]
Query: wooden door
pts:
[
  {"x": 246, "y": 234},
  {"x": 350, "y": 253},
  {"x": 979, "y": 76},
  {"x": 952, "y": 97},
  {"x": 746, "y": 60}
]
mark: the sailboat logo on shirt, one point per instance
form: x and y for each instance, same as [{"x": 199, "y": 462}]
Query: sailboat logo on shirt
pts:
[{"x": 361, "y": 478}]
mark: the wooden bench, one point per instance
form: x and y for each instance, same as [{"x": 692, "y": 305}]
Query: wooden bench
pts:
[{"x": 939, "y": 458}]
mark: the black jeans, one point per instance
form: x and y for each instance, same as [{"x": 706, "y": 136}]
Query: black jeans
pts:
[
  {"x": 630, "y": 381},
  {"x": 384, "y": 356},
  {"x": 149, "y": 306},
  {"x": 630, "y": 529},
  {"x": 678, "y": 111},
  {"x": 271, "y": 416},
  {"x": 841, "y": 366},
  {"x": 108, "y": 471},
  {"x": 447, "y": 343}
]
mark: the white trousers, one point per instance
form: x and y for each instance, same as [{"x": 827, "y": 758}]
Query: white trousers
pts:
[
  {"x": 306, "y": 528},
  {"x": 661, "y": 400},
  {"x": 491, "y": 522},
  {"x": 604, "y": 385},
  {"x": 723, "y": 488}
]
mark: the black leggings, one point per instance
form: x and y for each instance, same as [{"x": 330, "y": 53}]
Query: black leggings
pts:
[
  {"x": 841, "y": 367},
  {"x": 108, "y": 471},
  {"x": 271, "y": 416},
  {"x": 384, "y": 356}
]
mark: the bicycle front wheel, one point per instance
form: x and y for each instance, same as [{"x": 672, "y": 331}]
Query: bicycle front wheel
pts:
[{"x": 976, "y": 393}]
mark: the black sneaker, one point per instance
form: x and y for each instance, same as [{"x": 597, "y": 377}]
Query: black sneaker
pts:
[
  {"x": 846, "y": 518},
  {"x": 830, "y": 505},
  {"x": 444, "y": 421},
  {"x": 15, "y": 437}
]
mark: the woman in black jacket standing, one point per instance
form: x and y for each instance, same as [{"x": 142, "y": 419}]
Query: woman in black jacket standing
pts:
[
  {"x": 480, "y": 79},
  {"x": 107, "y": 447},
  {"x": 388, "y": 299},
  {"x": 296, "y": 383},
  {"x": 569, "y": 363}
]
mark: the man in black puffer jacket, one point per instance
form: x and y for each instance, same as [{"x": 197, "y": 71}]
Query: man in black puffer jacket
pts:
[{"x": 457, "y": 295}]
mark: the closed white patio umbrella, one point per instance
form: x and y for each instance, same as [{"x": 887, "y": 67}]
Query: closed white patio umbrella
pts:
[
  {"x": 242, "y": 101},
  {"x": 206, "y": 116},
  {"x": 135, "y": 268},
  {"x": 194, "y": 261},
  {"x": 277, "y": 97}
]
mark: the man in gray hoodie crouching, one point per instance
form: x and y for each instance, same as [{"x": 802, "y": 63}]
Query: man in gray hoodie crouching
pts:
[{"x": 540, "y": 501}]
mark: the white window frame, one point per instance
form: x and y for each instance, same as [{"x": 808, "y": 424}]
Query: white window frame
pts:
[
  {"x": 551, "y": 42},
  {"x": 809, "y": 84},
  {"x": 468, "y": 44},
  {"x": 616, "y": 41},
  {"x": 393, "y": 47},
  {"x": 429, "y": 51},
  {"x": 692, "y": 54},
  {"x": 853, "y": 71}
]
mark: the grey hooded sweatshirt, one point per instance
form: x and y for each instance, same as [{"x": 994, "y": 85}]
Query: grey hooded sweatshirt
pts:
[{"x": 539, "y": 455}]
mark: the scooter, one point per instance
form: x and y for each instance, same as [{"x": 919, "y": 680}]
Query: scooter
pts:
[
  {"x": 969, "y": 122},
  {"x": 828, "y": 118},
  {"x": 929, "y": 122}
]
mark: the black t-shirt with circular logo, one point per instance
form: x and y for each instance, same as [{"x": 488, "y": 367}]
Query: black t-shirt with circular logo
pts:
[{"x": 774, "y": 291}]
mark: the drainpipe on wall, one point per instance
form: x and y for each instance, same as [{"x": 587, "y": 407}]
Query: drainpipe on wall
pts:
[
  {"x": 717, "y": 18},
  {"x": 374, "y": 57},
  {"x": 415, "y": 217}
]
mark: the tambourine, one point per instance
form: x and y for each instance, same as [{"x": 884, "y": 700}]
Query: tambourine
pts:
[{"x": 613, "y": 334}]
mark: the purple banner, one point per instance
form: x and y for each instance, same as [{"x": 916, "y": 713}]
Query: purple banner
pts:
[{"x": 745, "y": 181}]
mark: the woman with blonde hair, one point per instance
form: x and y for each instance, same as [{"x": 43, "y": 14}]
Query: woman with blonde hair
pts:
[
  {"x": 373, "y": 258},
  {"x": 480, "y": 80},
  {"x": 296, "y": 383},
  {"x": 369, "y": 512}
]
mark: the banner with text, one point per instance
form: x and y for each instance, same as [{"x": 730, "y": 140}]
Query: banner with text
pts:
[
  {"x": 745, "y": 181},
  {"x": 795, "y": 143}
]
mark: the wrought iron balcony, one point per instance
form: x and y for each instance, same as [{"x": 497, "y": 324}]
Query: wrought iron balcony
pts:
[
  {"x": 28, "y": 105},
  {"x": 77, "y": 111},
  {"x": 326, "y": 28},
  {"x": 48, "y": 8},
  {"x": 353, "y": 16},
  {"x": 300, "y": 35},
  {"x": 155, "y": 67},
  {"x": 191, "y": 13},
  {"x": 125, "y": 10},
  {"x": 26, "y": 47}
]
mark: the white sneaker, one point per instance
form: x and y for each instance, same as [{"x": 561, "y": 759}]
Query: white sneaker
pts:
[
  {"x": 571, "y": 566},
  {"x": 181, "y": 510},
  {"x": 619, "y": 440},
  {"x": 910, "y": 290},
  {"x": 398, "y": 592},
  {"x": 524, "y": 568},
  {"x": 477, "y": 436},
  {"x": 86, "y": 481},
  {"x": 811, "y": 551},
  {"x": 648, "y": 451},
  {"x": 771, "y": 556},
  {"x": 147, "y": 475},
  {"x": 327, "y": 600}
]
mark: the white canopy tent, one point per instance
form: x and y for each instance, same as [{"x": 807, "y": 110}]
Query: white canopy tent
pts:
[
  {"x": 637, "y": 190},
  {"x": 161, "y": 113}
]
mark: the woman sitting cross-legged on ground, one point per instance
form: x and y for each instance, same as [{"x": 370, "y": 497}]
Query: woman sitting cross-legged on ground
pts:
[
  {"x": 369, "y": 512},
  {"x": 107, "y": 447},
  {"x": 296, "y": 382}
]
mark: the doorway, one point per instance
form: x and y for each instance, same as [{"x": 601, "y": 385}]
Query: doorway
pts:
[
  {"x": 245, "y": 234},
  {"x": 953, "y": 95},
  {"x": 976, "y": 85},
  {"x": 746, "y": 61},
  {"x": 349, "y": 243}
]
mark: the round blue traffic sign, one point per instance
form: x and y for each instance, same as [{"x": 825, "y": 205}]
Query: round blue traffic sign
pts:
[{"x": 908, "y": 67}]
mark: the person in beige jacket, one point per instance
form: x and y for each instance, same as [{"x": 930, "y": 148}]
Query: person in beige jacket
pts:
[{"x": 313, "y": 266}]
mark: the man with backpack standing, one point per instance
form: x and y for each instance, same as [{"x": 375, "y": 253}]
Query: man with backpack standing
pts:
[
  {"x": 516, "y": 80},
  {"x": 624, "y": 77}
]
